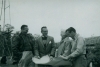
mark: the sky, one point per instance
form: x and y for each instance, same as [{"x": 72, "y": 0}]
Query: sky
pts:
[{"x": 57, "y": 15}]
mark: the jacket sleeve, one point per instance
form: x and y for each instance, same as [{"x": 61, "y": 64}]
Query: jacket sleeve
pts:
[
  {"x": 53, "y": 47},
  {"x": 33, "y": 44},
  {"x": 36, "y": 51},
  {"x": 15, "y": 42},
  {"x": 80, "y": 48},
  {"x": 67, "y": 49}
]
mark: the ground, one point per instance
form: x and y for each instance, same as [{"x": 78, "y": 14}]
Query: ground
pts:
[{"x": 7, "y": 65}]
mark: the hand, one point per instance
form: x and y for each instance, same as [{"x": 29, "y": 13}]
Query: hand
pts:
[
  {"x": 51, "y": 57},
  {"x": 21, "y": 60},
  {"x": 37, "y": 57},
  {"x": 65, "y": 58}
]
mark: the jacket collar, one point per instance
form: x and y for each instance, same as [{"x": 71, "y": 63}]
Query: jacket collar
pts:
[{"x": 76, "y": 37}]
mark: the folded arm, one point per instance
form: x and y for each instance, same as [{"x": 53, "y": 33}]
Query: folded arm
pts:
[{"x": 80, "y": 48}]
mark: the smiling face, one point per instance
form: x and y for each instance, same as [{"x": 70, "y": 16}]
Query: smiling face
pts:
[
  {"x": 44, "y": 31},
  {"x": 25, "y": 30}
]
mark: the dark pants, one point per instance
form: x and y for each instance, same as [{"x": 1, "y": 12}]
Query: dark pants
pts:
[
  {"x": 3, "y": 60},
  {"x": 16, "y": 57},
  {"x": 80, "y": 61}
]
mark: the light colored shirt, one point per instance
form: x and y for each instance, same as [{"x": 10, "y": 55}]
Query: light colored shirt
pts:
[
  {"x": 78, "y": 46},
  {"x": 64, "y": 47}
]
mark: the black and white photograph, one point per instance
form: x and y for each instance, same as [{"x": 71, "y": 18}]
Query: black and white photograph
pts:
[{"x": 49, "y": 33}]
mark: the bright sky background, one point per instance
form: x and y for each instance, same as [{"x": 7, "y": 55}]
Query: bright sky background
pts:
[{"x": 83, "y": 15}]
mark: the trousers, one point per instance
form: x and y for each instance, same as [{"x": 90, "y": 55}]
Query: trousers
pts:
[
  {"x": 26, "y": 60},
  {"x": 80, "y": 61}
]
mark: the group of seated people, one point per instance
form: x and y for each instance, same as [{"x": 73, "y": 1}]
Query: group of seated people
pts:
[{"x": 25, "y": 46}]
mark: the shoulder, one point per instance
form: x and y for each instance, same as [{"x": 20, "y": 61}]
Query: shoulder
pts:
[
  {"x": 15, "y": 37},
  {"x": 50, "y": 37},
  {"x": 29, "y": 34},
  {"x": 80, "y": 38},
  {"x": 67, "y": 39},
  {"x": 38, "y": 39}
]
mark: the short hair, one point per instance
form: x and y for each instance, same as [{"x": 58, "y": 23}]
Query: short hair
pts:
[
  {"x": 71, "y": 29},
  {"x": 23, "y": 26},
  {"x": 43, "y": 27}
]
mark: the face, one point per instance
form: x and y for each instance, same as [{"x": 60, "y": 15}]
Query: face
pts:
[
  {"x": 44, "y": 31},
  {"x": 63, "y": 35},
  {"x": 70, "y": 34},
  {"x": 67, "y": 33},
  {"x": 25, "y": 30}
]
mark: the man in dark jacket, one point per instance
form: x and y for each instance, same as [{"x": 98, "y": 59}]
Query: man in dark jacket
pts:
[{"x": 23, "y": 44}]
